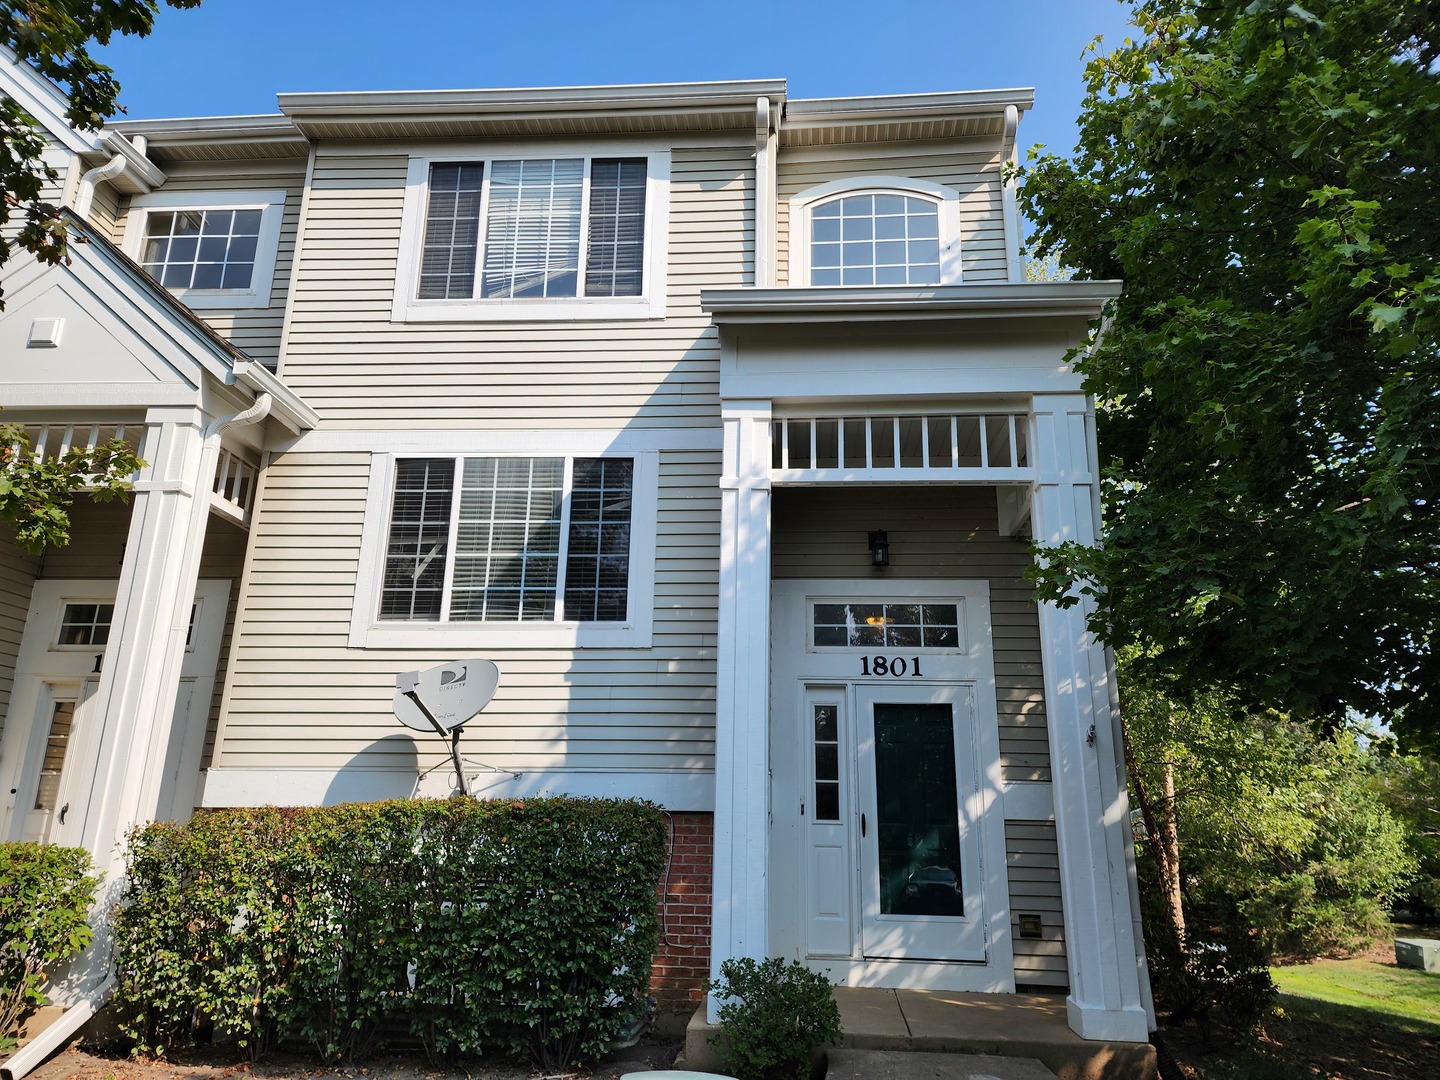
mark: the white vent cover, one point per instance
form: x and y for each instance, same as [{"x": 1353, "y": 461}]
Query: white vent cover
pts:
[{"x": 45, "y": 333}]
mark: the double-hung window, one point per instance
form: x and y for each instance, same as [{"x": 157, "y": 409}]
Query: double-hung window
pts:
[
  {"x": 516, "y": 543},
  {"x": 534, "y": 237},
  {"x": 211, "y": 249}
]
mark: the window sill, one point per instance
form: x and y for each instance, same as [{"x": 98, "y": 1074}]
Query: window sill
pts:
[
  {"x": 212, "y": 299},
  {"x": 568, "y": 310},
  {"x": 462, "y": 636}
]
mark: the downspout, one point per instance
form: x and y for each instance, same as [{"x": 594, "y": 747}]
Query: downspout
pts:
[
  {"x": 85, "y": 196},
  {"x": 764, "y": 195},
  {"x": 38, "y": 1049},
  {"x": 34, "y": 1053},
  {"x": 1010, "y": 161}
]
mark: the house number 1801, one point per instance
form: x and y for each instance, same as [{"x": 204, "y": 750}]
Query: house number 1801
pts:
[{"x": 885, "y": 665}]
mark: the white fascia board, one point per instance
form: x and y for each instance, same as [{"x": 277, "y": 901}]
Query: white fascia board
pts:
[
  {"x": 44, "y": 101},
  {"x": 820, "y": 304},
  {"x": 818, "y": 111},
  {"x": 555, "y": 99}
]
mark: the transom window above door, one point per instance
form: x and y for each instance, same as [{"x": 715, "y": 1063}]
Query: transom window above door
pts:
[
  {"x": 533, "y": 237},
  {"x": 871, "y": 624},
  {"x": 875, "y": 230}
]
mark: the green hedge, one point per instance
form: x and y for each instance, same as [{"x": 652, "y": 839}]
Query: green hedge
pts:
[
  {"x": 45, "y": 894},
  {"x": 483, "y": 927}
]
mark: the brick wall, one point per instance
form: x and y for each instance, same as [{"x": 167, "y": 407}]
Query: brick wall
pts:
[{"x": 682, "y": 962}]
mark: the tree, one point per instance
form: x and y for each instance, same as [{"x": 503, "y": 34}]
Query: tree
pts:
[
  {"x": 1263, "y": 176},
  {"x": 54, "y": 36}
]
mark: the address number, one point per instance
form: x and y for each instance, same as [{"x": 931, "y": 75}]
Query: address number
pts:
[{"x": 897, "y": 666}]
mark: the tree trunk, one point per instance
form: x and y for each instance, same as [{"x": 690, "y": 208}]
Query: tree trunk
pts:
[{"x": 1162, "y": 837}]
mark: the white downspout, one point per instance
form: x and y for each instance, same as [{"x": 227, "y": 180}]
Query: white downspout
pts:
[
  {"x": 1014, "y": 238},
  {"x": 764, "y": 196},
  {"x": 30, "y": 1057},
  {"x": 85, "y": 196}
]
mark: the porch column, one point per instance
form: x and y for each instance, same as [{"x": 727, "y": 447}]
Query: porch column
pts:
[
  {"x": 120, "y": 764},
  {"x": 1109, "y": 992},
  {"x": 742, "y": 736}
]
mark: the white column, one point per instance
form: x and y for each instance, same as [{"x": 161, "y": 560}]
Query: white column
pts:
[
  {"x": 1109, "y": 998},
  {"x": 122, "y": 758},
  {"x": 742, "y": 698}
]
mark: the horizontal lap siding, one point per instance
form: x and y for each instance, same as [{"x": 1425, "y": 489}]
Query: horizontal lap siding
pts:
[
  {"x": 18, "y": 571},
  {"x": 297, "y": 696},
  {"x": 970, "y": 166},
  {"x": 255, "y": 330},
  {"x": 1033, "y": 867},
  {"x": 358, "y": 369},
  {"x": 934, "y": 532}
]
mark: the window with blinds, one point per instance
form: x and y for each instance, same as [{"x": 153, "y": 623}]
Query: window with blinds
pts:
[
  {"x": 534, "y": 229},
  {"x": 509, "y": 539}
]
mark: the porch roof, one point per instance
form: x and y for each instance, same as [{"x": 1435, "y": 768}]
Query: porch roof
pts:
[{"x": 889, "y": 303}]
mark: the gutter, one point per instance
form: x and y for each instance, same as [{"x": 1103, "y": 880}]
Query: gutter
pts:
[{"x": 38, "y": 1050}]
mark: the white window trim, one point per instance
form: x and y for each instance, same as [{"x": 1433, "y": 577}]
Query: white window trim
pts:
[
  {"x": 367, "y": 630},
  {"x": 271, "y": 205},
  {"x": 407, "y": 307},
  {"x": 947, "y": 200}
]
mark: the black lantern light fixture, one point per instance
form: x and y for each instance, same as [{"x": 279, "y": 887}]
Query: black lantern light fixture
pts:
[{"x": 879, "y": 549}]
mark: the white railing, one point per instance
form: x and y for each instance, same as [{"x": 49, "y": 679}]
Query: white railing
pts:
[
  {"x": 51, "y": 442},
  {"x": 933, "y": 447},
  {"x": 233, "y": 494}
]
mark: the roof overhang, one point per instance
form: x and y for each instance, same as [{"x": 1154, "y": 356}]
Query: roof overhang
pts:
[
  {"x": 802, "y": 305},
  {"x": 218, "y": 137},
  {"x": 569, "y": 110},
  {"x": 900, "y": 117}
]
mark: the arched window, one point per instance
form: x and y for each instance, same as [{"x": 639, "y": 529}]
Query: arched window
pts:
[{"x": 875, "y": 230}]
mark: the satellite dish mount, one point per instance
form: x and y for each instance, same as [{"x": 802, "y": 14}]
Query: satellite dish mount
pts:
[{"x": 444, "y": 699}]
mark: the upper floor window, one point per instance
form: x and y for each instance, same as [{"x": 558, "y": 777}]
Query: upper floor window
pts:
[
  {"x": 534, "y": 238},
  {"x": 211, "y": 249},
  {"x": 875, "y": 230}
]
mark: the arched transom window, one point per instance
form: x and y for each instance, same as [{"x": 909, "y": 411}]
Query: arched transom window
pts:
[
  {"x": 875, "y": 230},
  {"x": 877, "y": 238}
]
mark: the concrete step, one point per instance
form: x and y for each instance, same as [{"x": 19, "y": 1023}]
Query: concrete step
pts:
[{"x": 912, "y": 1065}]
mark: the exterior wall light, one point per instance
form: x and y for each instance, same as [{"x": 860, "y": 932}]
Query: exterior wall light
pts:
[{"x": 879, "y": 550}]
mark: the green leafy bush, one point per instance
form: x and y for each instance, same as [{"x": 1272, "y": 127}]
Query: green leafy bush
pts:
[
  {"x": 775, "y": 1016},
  {"x": 513, "y": 927},
  {"x": 45, "y": 894}
]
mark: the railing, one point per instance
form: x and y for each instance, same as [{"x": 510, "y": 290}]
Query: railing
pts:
[
  {"x": 954, "y": 446},
  {"x": 51, "y": 442},
  {"x": 233, "y": 494}
]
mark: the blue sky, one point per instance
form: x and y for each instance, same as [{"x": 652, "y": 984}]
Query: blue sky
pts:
[{"x": 230, "y": 57}]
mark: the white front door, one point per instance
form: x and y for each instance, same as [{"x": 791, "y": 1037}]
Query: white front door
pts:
[
  {"x": 888, "y": 863},
  {"x": 66, "y": 634}
]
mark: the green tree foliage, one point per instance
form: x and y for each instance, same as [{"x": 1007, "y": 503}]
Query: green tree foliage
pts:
[
  {"x": 36, "y": 492},
  {"x": 1282, "y": 831},
  {"x": 55, "y": 36},
  {"x": 1410, "y": 786},
  {"x": 1263, "y": 177}
]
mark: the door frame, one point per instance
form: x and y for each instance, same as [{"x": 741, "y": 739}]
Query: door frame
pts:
[
  {"x": 801, "y": 673},
  {"x": 43, "y": 665}
]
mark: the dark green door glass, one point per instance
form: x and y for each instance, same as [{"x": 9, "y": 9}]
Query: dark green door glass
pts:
[{"x": 918, "y": 828}]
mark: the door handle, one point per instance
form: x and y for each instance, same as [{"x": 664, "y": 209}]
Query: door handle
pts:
[
  {"x": 862, "y": 825},
  {"x": 63, "y": 811}
]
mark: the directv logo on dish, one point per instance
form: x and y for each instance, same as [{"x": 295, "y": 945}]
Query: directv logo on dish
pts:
[{"x": 452, "y": 678}]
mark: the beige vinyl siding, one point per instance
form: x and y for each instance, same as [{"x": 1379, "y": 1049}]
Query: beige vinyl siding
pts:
[
  {"x": 97, "y": 542},
  {"x": 1032, "y": 864},
  {"x": 18, "y": 571},
  {"x": 360, "y": 370},
  {"x": 935, "y": 532},
  {"x": 970, "y": 166},
  {"x": 298, "y": 697},
  {"x": 106, "y": 212},
  {"x": 255, "y": 330}
]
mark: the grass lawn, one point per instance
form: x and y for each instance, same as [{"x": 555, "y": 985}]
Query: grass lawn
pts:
[
  {"x": 1404, "y": 997},
  {"x": 1361, "y": 1019}
]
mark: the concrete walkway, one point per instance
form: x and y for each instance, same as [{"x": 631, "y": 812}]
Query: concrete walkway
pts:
[{"x": 941, "y": 1022}]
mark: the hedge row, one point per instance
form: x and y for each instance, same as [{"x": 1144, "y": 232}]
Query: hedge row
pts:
[
  {"x": 482, "y": 927},
  {"x": 45, "y": 894}
]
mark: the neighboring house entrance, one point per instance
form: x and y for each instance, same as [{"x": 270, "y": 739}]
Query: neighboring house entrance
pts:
[
  {"x": 49, "y": 722},
  {"x": 888, "y": 834}
]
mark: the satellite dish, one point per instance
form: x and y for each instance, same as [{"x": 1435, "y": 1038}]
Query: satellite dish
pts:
[{"x": 453, "y": 693}]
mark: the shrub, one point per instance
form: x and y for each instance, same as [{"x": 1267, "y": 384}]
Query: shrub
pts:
[
  {"x": 774, "y": 1016},
  {"x": 485, "y": 926},
  {"x": 45, "y": 894}
]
